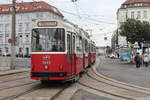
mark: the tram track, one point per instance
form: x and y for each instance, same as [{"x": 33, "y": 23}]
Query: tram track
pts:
[
  {"x": 20, "y": 85},
  {"x": 86, "y": 84},
  {"x": 14, "y": 79},
  {"x": 124, "y": 88},
  {"x": 103, "y": 91},
  {"x": 59, "y": 93},
  {"x": 23, "y": 93},
  {"x": 94, "y": 72},
  {"x": 39, "y": 87}
]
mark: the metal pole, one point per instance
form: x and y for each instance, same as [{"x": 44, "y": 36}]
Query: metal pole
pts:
[
  {"x": 117, "y": 37},
  {"x": 13, "y": 35}
]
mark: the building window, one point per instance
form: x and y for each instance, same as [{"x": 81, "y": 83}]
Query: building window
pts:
[
  {"x": 5, "y": 9},
  {"x": 21, "y": 16},
  {"x": 125, "y": 6},
  {"x": 145, "y": 14},
  {"x": 6, "y": 27},
  {"x": 135, "y": 4},
  {"x": 20, "y": 27},
  {"x": 138, "y": 15},
  {"x": 6, "y": 49},
  {"x": 38, "y": 6},
  {"x": 0, "y": 51},
  {"x": 1, "y": 17},
  {"x": 132, "y": 14},
  {"x": 138, "y": 4},
  {"x": 20, "y": 39},
  {"x": 27, "y": 38},
  {"x": 1, "y": 38},
  {"x": 39, "y": 15},
  {"x": 27, "y": 51},
  {"x": 27, "y": 28},
  {"x": 1, "y": 28}
]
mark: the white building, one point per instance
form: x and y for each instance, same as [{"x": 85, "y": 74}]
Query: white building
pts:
[
  {"x": 137, "y": 9},
  {"x": 27, "y": 13}
]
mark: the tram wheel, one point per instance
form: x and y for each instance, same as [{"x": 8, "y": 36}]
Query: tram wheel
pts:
[
  {"x": 43, "y": 81},
  {"x": 76, "y": 78}
]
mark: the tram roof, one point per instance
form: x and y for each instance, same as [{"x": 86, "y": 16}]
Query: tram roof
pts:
[{"x": 64, "y": 24}]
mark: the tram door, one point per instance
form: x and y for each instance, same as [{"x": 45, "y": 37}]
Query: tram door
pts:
[{"x": 71, "y": 51}]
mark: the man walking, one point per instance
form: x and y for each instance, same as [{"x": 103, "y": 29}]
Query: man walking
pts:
[{"x": 137, "y": 60}]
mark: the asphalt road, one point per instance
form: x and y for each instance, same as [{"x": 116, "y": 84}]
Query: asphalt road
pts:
[{"x": 122, "y": 71}]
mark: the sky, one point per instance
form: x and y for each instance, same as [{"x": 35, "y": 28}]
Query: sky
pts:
[{"x": 97, "y": 16}]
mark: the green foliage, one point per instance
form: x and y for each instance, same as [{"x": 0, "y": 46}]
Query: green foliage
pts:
[{"x": 135, "y": 31}]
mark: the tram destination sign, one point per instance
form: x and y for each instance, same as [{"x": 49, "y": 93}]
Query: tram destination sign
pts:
[{"x": 47, "y": 24}]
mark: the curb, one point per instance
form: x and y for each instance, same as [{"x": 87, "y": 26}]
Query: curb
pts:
[
  {"x": 14, "y": 72},
  {"x": 116, "y": 81}
]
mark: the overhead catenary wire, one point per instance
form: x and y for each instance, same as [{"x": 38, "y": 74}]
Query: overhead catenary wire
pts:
[
  {"x": 77, "y": 10},
  {"x": 84, "y": 17},
  {"x": 84, "y": 13},
  {"x": 87, "y": 17}
]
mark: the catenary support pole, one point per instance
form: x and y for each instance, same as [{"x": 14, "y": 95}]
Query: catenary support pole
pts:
[{"x": 13, "y": 35}]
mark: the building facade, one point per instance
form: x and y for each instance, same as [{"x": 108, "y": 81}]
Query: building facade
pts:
[
  {"x": 135, "y": 9},
  {"x": 27, "y": 13}
]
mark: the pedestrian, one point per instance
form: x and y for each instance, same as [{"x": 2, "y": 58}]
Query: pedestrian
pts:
[
  {"x": 146, "y": 60},
  {"x": 137, "y": 60},
  {"x": 118, "y": 55}
]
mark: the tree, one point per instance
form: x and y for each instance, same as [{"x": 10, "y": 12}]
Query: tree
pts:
[{"x": 135, "y": 31}]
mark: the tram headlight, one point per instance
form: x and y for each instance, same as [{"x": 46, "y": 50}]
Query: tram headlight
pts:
[{"x": 46, "y": 67}]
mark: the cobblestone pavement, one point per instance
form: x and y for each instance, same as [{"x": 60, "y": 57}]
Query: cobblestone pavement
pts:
[{"x": 122, "y": 71}]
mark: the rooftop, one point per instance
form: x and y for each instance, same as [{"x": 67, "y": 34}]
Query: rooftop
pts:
[
  {"x": 26, "y": 7},
  {"x": 135, "y": 3}
]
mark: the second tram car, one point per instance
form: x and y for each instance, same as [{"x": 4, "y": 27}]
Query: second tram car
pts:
[{"x": 60, "y": 51}]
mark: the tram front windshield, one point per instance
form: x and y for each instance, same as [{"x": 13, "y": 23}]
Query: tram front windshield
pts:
[{"x": 48, "y": 40}]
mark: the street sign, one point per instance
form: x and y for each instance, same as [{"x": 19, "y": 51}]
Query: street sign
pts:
[{"x": 105, "y": 38}]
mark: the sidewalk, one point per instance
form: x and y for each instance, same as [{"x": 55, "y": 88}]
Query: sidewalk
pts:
[
  {"x": 6, "y": 71},
  {"x": 124, "y": 72}
]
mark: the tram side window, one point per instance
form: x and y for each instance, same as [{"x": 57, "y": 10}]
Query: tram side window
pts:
[
  {"x": 92, "y": 48},
  {"x": 89, "y": 46},
  {"x": 86, "y": 46},
  {"x": 79, "y": 44},
  {"x": 68, "y": 43},
  {"x": 73, "y": 44},
  {"x": 83, "y": 45}
]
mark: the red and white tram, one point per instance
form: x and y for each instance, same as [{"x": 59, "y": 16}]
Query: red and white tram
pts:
[{"x": 60, "y": 51}]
